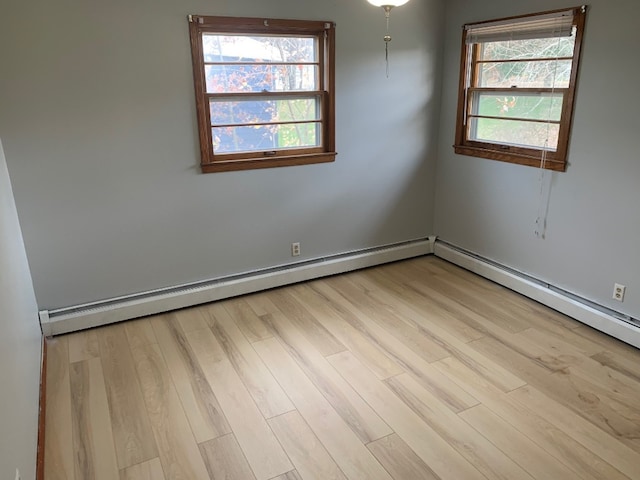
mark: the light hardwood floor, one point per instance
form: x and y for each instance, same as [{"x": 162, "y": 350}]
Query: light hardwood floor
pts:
[{"x": 413, "y": 370}]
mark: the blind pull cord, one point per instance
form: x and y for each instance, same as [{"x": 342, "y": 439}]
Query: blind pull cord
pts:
[{"x": 545, "y": 177}]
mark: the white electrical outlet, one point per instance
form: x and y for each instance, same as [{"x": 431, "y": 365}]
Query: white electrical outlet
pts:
[
  {"x": 295, "y": 249},
  {"x": 618, "y": 292},
  {"x": 17, "y": 474}
]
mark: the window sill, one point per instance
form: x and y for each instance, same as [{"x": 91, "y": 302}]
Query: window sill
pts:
[
  {"x": 501, "y": 156},
  {"x": 255, "y": 163}
]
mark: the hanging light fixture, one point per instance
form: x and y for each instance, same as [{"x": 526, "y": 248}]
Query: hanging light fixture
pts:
[{"x": 387, "y": 5}]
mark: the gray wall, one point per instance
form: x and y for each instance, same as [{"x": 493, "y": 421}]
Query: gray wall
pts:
[
  {"x": 19, "y": 344},
  {"x": 98, "y": 122},
  {"x": 593, "y": 222}
]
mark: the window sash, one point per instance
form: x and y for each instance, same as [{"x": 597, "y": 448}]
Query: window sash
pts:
[
  {"x": 238, "y": 98},
  {"x": 549, "y": 25},
  {"x": 554, "y": 101},
  {"x": 272, "y": 151}
]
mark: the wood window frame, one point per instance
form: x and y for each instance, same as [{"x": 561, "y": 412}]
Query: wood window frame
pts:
[
  {"x": 324, "y": 32},
  {"x": 553, "y": 160}
]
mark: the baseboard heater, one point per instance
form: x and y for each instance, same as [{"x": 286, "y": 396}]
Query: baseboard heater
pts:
[
  {"x": 606, "y": 320},
  {"x": 80, "y": 317}
]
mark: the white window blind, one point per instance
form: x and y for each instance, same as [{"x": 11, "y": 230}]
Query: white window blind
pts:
[{"x": 548, "y": 25}]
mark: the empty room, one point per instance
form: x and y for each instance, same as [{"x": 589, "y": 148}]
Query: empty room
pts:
[{"x": 304, "y": 239}]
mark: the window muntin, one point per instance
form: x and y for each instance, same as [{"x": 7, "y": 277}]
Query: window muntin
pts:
[
  {"x": 517, "y": 88},
  {"x": 264, "y": 92}
]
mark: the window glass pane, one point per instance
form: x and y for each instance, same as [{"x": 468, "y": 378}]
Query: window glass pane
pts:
[
  {"x": 245, "y": 48},
  {"x": 518, "y": 105},
  {"x": 534, "y": 74},
  {"x": 515, "y": 133},
  {"x": 525, "y": 49},
  {"x": 260, "y": 77},
  {"x": 266, "y": 137},
  {"x": 263, "y": 111}
]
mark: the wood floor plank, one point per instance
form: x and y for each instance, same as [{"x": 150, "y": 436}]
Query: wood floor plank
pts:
[
  {"x": 200, "y": 403},
  {"x": 516, "y": 445},
  {"x": 299, "y": 316},
  {"x": 192, "y": 319},
  {"x": 263, "y": 452},
  {"x": 607, "y": 383},
  {"x": 612, "y": 411},
  {"x": 603, "y": 380},
  {"x": 58, "y": 445},
  {"x": 178, "y": 451},
  {"x": 129, "y": 419},
  {"x": 344, "y": 399},
  {"x": 395, "y": 297},
  {"x": 470, "y": 300},
  {"x": 308, "y": 455},
  {"x": 441, "y": 457},
  {"x": 224, "y": 459},
  {"x": 565, "y": 336},
  {"x": 247, "y": 320},
  {"x": 292, "y": 475},
  {"x": 482, "y": 454},
  {"x": 524, "y": 361},
  {"x": 448, "y": 391},
  {"x": 413, "y": 288},
  {"x": 353, "y": 458},
  {"x": 628, "y": 365},
  {"x": 595, "y": 392},
  {"x": 268, "y": 395},
  {"x": 399, "y": 460},
  {"x": 83, "y": 346},
  {"x": 140, "y": 332},
  {"x": 369, "y": 353},
  {"x": 378, "y": 307},
  {"x": 485, "y": 367},
  {"x": 504, "y": 310},
  {"x": 512, "y": 305},
  {"x": 606, "y": 446},
  {"x": 609, "y": 343},
  {"x": 149, "y": 470},
  {"x": 445, "y": 314},
  {"x": 569, "y": 352},
  {"x": 94, "y": 451},
  {"x": 554, "y": 439},
  {"x": 503, "y": 294}
]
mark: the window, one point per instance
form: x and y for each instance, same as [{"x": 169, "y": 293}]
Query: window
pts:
[
  {"x": 264, "y": 92},
  {"x": 517, "y": 88}
]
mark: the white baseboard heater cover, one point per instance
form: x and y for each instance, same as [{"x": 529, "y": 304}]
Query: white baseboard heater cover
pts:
[
  {"x": 586, "y": 312},
  {"x": 80, "y": 317}
]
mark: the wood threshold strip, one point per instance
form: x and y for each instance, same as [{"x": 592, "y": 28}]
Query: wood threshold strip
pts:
[{"x": 42, "y": 409}]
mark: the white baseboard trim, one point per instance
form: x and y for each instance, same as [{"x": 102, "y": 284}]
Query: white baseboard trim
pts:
[
  {"x": 582, "y": 312},
  {"x": 70, "y": 319}
]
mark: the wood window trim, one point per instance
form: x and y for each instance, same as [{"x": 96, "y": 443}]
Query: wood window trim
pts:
[
  {"x": 324, "y": 32},
  {"x": 556, "y": 161}
]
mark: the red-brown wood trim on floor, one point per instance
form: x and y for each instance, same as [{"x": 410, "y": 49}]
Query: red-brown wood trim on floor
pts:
[{"x": 42, "y": 412}]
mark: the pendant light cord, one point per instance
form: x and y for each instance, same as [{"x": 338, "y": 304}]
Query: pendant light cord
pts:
[
  {"x": 387, "y": 39},
  {"x": 386, "y": 57}
]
